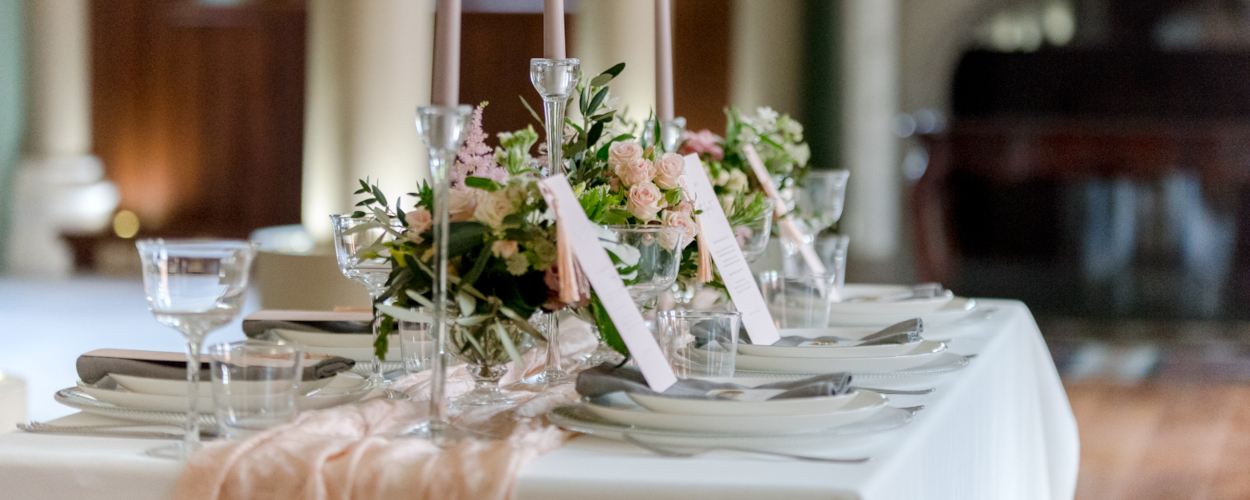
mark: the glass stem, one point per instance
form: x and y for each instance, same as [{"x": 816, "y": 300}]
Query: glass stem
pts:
[
  {"x": 440, "y": 165},
  {"x": 553, "y": 343},
  {"x": 376, "y": 378},
  {"x": 554, "y": 111},
  {"x": 191, "y": 438}
]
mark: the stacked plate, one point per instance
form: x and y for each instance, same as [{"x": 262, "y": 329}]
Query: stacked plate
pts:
[
  {"x": 745, "y": 417},
  {"x": 820, "y": 355},
  {"x": 155, "y": 400},
  {"x": 355, "y": 346},
  {"x": 877, "y": 305}
]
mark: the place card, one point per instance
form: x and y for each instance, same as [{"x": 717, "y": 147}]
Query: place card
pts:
[
  {"x": 785, "y": 225},
  {"x": 728, "y": 256},
  {"x": 606, "y": 281}
]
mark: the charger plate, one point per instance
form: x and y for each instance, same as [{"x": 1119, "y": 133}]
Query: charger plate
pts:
[
  {"x": 946, "y": 363},
  {"x": 618, "y": 407},
  {"x": 577, "y": 418}
]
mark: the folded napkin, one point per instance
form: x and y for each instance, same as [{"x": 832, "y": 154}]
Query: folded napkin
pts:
[
  {"x": 94, "y": 365},
  {"x": 899, "y": 333},
  {"x": 256, "y": 324},
  {"x": 606, "y": 378}
]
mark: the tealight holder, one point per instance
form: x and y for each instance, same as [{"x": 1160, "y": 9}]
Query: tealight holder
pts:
[
  {"x": 671, "y": 132},
  {"x": 555, "y": 80}
]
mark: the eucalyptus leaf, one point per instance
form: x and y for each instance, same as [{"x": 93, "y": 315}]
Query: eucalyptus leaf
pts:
[
  {"x": 403, "y": 314},
  {"x": 509, "y": 346},
  {"x": 412, "y": 294}
]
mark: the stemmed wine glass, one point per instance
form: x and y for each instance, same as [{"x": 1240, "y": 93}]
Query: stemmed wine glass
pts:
[
  {"x": 656, "y": 251},
  {"x": 817, "y": 206},
  {"x": 753, "y": 234},
  {"x": 195, "y": 287},
  {"x": 358, "y": 243}
]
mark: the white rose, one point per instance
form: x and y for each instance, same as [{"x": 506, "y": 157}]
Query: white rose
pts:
[
  {"x": 493, "y": 207},
  {"x": 737, "y": 181},
  {"x": 635, "y": 172},
  {"x": 462, "y": 203},
  {"x": 668, "y": 170},
  {"x": 644, "y": 201},
  {"x": 674, "y": 218},
  {"x": 624, "y": 152},
  {"x": 504, "y": 249}
]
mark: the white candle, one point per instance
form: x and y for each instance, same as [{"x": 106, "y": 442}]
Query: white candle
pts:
[
  {"x": 553, "y": 29},
  {"x": 447, "y": 53},
  {"x": 663, "y": 60}
]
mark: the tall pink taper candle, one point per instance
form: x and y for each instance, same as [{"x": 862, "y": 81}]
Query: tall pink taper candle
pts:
[
  {"x": 447, "y": 53},
  {"x": 553, "y": 29},
  {"x": 663, "y": 60}
]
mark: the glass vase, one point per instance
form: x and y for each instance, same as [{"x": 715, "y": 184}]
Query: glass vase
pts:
[{"x": 484, "y": 347}]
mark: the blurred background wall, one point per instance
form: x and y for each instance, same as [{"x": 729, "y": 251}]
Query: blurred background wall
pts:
[{"x": 12, "y": 103}]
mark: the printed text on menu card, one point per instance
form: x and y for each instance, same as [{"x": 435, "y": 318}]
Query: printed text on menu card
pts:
[
  {"x": 606, "y": 282},
  {"x": 728, "y": 257}
]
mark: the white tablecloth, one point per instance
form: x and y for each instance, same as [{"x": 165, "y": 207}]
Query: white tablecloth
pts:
[{"x": 999, "y": 429}]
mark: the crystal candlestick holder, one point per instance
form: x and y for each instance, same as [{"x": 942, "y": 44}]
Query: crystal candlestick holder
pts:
[
  {"x": 671, "y": 132},
  {"x": 555, "y": 80},
  {"x": 442, "y": 130}
]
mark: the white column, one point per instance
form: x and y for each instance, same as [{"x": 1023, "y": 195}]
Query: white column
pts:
[
  {"x": 613, "y": 31},
  {"x": 767, "y": 52},
  {"x": 369, "y": 67},
  {"x": 869, "y": 102},
  {"x": 59, "y": 186}
]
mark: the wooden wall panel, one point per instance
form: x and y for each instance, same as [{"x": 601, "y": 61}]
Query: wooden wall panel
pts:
[
  {"x": 198, "y": 112},
  {"x": 701, "y": 62}
]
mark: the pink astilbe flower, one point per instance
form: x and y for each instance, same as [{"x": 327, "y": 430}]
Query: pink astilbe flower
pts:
[
  {"x": 475, "y": 158},
  {"x": 702, "y": 142}
]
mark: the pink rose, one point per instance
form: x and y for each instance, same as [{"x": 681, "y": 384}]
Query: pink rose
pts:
[
  {"x": 504, "y": 249},
  {"x": 685, "y": 207},
  {"x": 419, "y": 220},
  {"x": 624, "y": 152},
  {"x": 677, "y": 219},
  {"x": 635, "y": 172},
  {"x": 668, "y": 170},
  {"x": 462, "y": 203},
  {"x": 644, "y": 201},
  {"x": 702, "y": 142}
]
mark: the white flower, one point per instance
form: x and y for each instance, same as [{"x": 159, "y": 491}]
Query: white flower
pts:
[
  {"x": 792, "y": 129},
  {"x": 517, "y": 264},
  {"x": 737, "y": 181},
  {"x": 801, "y": 153},
  {"x": 766, "y": 118},
  {"x": 722, "y": 178},
  {"x": 668, "y": 170},
  {"x": 493, "y": 207},
  {"x": 504, "y": 249}
]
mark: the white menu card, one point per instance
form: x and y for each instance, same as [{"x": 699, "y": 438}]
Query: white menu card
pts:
[
  {"x": 728, "y": 256},
  {"x": 607, "y": 283}
]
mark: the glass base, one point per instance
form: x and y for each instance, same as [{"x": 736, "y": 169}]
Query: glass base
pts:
[
  {"x": 176, "y": 451},
  {"x": 551, "y": 377},
  {"x": 445, "y": 435},
  {"x": 602, "y": 354},
  {"x": 483, "y": 396}
]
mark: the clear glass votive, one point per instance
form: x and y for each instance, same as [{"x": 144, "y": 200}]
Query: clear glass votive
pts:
[
  {"x": 254, "y": 385},
  {"x": 799, "y": 302},
  {"x": 699, "y": 344},
  {"x": 416, "y": 342}
]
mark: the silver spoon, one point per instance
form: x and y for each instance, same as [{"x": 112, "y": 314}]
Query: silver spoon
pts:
[{"x": 666, "y": 452}]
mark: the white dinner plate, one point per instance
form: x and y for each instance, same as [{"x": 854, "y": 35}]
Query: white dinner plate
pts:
[
  {"x": 922, "y": 353},
  {"x": 910, "y": 307},
  {"x": 619, "y": 408},
  {"x": 955, "y": 310},
  {"x": 321, "y": 339},
  {"x": 169, "y": 387},
  {"x": 360, "y": 354},
  {"x": 831, "y": 351},
  {"x": 791, "y": 406},
  {"x": 342, "y": 389}
]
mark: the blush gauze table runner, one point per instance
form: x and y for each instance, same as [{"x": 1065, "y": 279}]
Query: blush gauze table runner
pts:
[{"x": 352, "y": 452}]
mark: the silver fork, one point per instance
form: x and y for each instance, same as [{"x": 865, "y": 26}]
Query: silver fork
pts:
[
  {"x": 901, "y": 392},
  {"x": 666, "y": 452},
  {"x": 97, "y": 430}
]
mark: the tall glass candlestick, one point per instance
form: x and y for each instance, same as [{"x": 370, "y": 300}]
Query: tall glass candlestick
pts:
[
  {"x": 555, "y": 80},
  {"x": 442, "y": 130}
]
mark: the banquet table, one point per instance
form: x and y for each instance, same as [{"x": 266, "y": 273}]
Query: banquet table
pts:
[{"x": 1001, "y": 428}]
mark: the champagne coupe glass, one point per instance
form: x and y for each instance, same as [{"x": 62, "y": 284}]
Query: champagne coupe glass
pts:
[
  {"x": 817, "y": 205},
  {"x": 353, "y": 237},
  {"x": 752, "y": 235},
  {"x": 656, "y": 251},
  {"x": 195, "y": 287}
]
